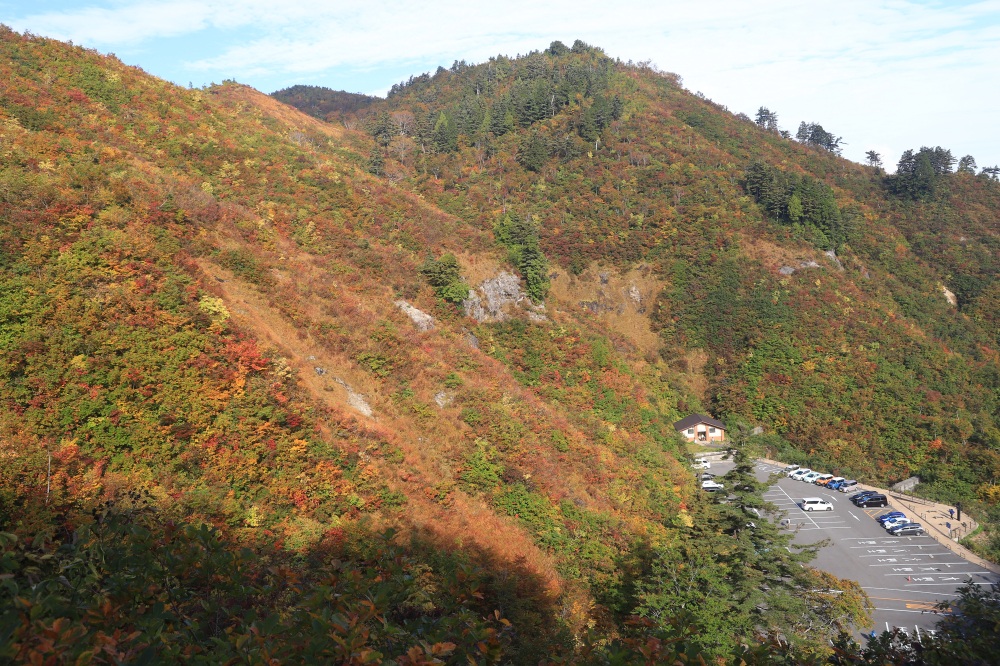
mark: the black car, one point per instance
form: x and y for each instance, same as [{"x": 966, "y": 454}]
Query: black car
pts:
[
  {"x": 875, "y": 500},
  {"x": 857, "y": 497}
]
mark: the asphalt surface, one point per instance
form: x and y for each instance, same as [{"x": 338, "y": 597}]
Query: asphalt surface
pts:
[{"x": 903, "y": 576}]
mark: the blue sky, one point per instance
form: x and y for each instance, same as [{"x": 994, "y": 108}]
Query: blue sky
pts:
[{"x": 886, "y": 75}]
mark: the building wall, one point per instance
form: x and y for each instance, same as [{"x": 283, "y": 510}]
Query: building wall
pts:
[{"x": 704, "y": 433}]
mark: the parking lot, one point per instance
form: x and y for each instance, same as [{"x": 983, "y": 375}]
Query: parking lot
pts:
[{"x": 904, "y": 576}]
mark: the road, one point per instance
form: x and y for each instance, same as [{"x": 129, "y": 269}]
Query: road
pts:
[{"x": 904, "y": 576}]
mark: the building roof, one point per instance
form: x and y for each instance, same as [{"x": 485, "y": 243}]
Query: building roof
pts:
[{"x": 695, "y": 419}]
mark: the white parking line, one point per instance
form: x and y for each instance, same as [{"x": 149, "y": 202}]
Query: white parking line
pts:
[
  {"x": 884, "y": 552},
  {"x": 896, "y": 589},
  {"x": 919, "y": 565},
  {"x": 950, "y": 573},
  {"x": 919, "y": 547}
]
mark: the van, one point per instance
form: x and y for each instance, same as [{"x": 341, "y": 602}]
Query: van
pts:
[
  {"x": 870, "y": 501},
  {"x": 847, "y": 486},
  {"x": 701, "y": 463},
  {"x": 815, "y": 504}
]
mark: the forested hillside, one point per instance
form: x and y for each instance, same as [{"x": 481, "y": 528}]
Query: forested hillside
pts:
[
  {"x": 245, "y": 414},
  {"x": 851, "y": 313}
]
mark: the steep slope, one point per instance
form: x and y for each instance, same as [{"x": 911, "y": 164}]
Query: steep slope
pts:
[
  {"x": 812, "y": 288},
  {"x": 199, "y": 306}
]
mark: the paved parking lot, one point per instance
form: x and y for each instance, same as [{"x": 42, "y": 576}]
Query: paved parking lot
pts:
[{"x": 904, "y": 576}]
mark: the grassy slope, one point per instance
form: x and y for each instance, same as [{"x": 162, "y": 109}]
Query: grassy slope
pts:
[
  {"x": 868, "y": 368},
  {"x": 162, "y": 243}
]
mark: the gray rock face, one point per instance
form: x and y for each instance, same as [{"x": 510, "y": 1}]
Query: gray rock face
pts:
[
  {"x": 832, "y": 254},
  {"x": 355, "y": 400},
  {"x": 633, "y": 293},
  {"x": 443, "y": 399},
  {"x": 420, "y": 319},
  {"x": 786, "y": 270},
  {"x": 494, "y": 298},
  {"x": 471, "y": 338}
]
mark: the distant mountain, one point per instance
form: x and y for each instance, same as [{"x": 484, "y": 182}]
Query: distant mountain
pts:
[
  {"x": 324, "y": 103},
  {"x": 422, "y": 363}
]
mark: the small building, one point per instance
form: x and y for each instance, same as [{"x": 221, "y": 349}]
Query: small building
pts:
[{"x": 701, "y": 428}]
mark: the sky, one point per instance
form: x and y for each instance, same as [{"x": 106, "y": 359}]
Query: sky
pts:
[{"x": 886, "y": 75}]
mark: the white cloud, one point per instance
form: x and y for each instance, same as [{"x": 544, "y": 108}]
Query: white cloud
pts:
[{"x": 892, "y": 72}]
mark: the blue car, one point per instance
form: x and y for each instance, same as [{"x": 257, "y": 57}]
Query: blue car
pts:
[
  {"x": 889, "y": 516},
  {"x": 833, "y": 485}
]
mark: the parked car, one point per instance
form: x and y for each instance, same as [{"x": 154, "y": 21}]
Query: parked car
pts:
[
  {"x": 896, "y": 522},
  {"x": 861, "y": 495},
  {"x": 799, "y": 473},
  {"x": 909, "y": 529},
  {"x": 705, "y": 476},
  {"x": 711, "y": 486},
  {"x": 834, "y": 482},
  {"x": 791, "y": 468},
  {"x": 810, "y": 477},
  {"x": 815, "y": 504},
  {"x": 871, "y": 501},
  {"x": 823, "y": 479},
  {"x": 847, "y": 486},
  {"x": 889, "y": 516},
  {"x": 701, "y": 463}
]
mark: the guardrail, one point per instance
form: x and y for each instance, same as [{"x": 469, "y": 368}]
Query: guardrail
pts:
[{"x": 911, "y": 498}]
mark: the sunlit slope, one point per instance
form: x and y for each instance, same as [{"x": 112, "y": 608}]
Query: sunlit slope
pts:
[
  {"x": 825, "y": 320},
  {"x": 199, "y": 295}
]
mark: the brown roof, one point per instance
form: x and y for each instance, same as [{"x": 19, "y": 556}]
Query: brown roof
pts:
[{"x": 695, "y": 419}]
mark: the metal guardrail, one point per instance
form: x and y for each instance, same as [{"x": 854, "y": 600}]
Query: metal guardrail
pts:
[{"x": 911, "y": 498}]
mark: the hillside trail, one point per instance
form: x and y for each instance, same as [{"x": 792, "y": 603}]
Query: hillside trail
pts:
[{"x": 462, "y": 521}]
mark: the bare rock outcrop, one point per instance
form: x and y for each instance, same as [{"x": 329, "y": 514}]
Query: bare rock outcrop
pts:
[
  {"x": 498, "y": 298},
  {"x": 422, "y": 320},
  {"x": 355, "y": 400}
]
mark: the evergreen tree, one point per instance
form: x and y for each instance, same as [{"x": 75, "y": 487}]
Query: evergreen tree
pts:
[
  {"x": 813, "y": 134},
  {"x": 520, "y": 236},
  {"x": 444, "y": 275},
  {"x": 533, "y": 152},
  {"x": 967, "y": 164},
  {"x": 767, "y": 119}
]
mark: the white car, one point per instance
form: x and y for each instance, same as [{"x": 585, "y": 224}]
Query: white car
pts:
[
  {"x": 711, "y": 486},
  {"x": 791, "y": 468},
  {"x": 799, "y": 473},
  {"x": 810, "y": 477},
  {"x": 896, "y": 522},
  {"x": 701, "y": 463},
  {"x": 815, "y": 504}
]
